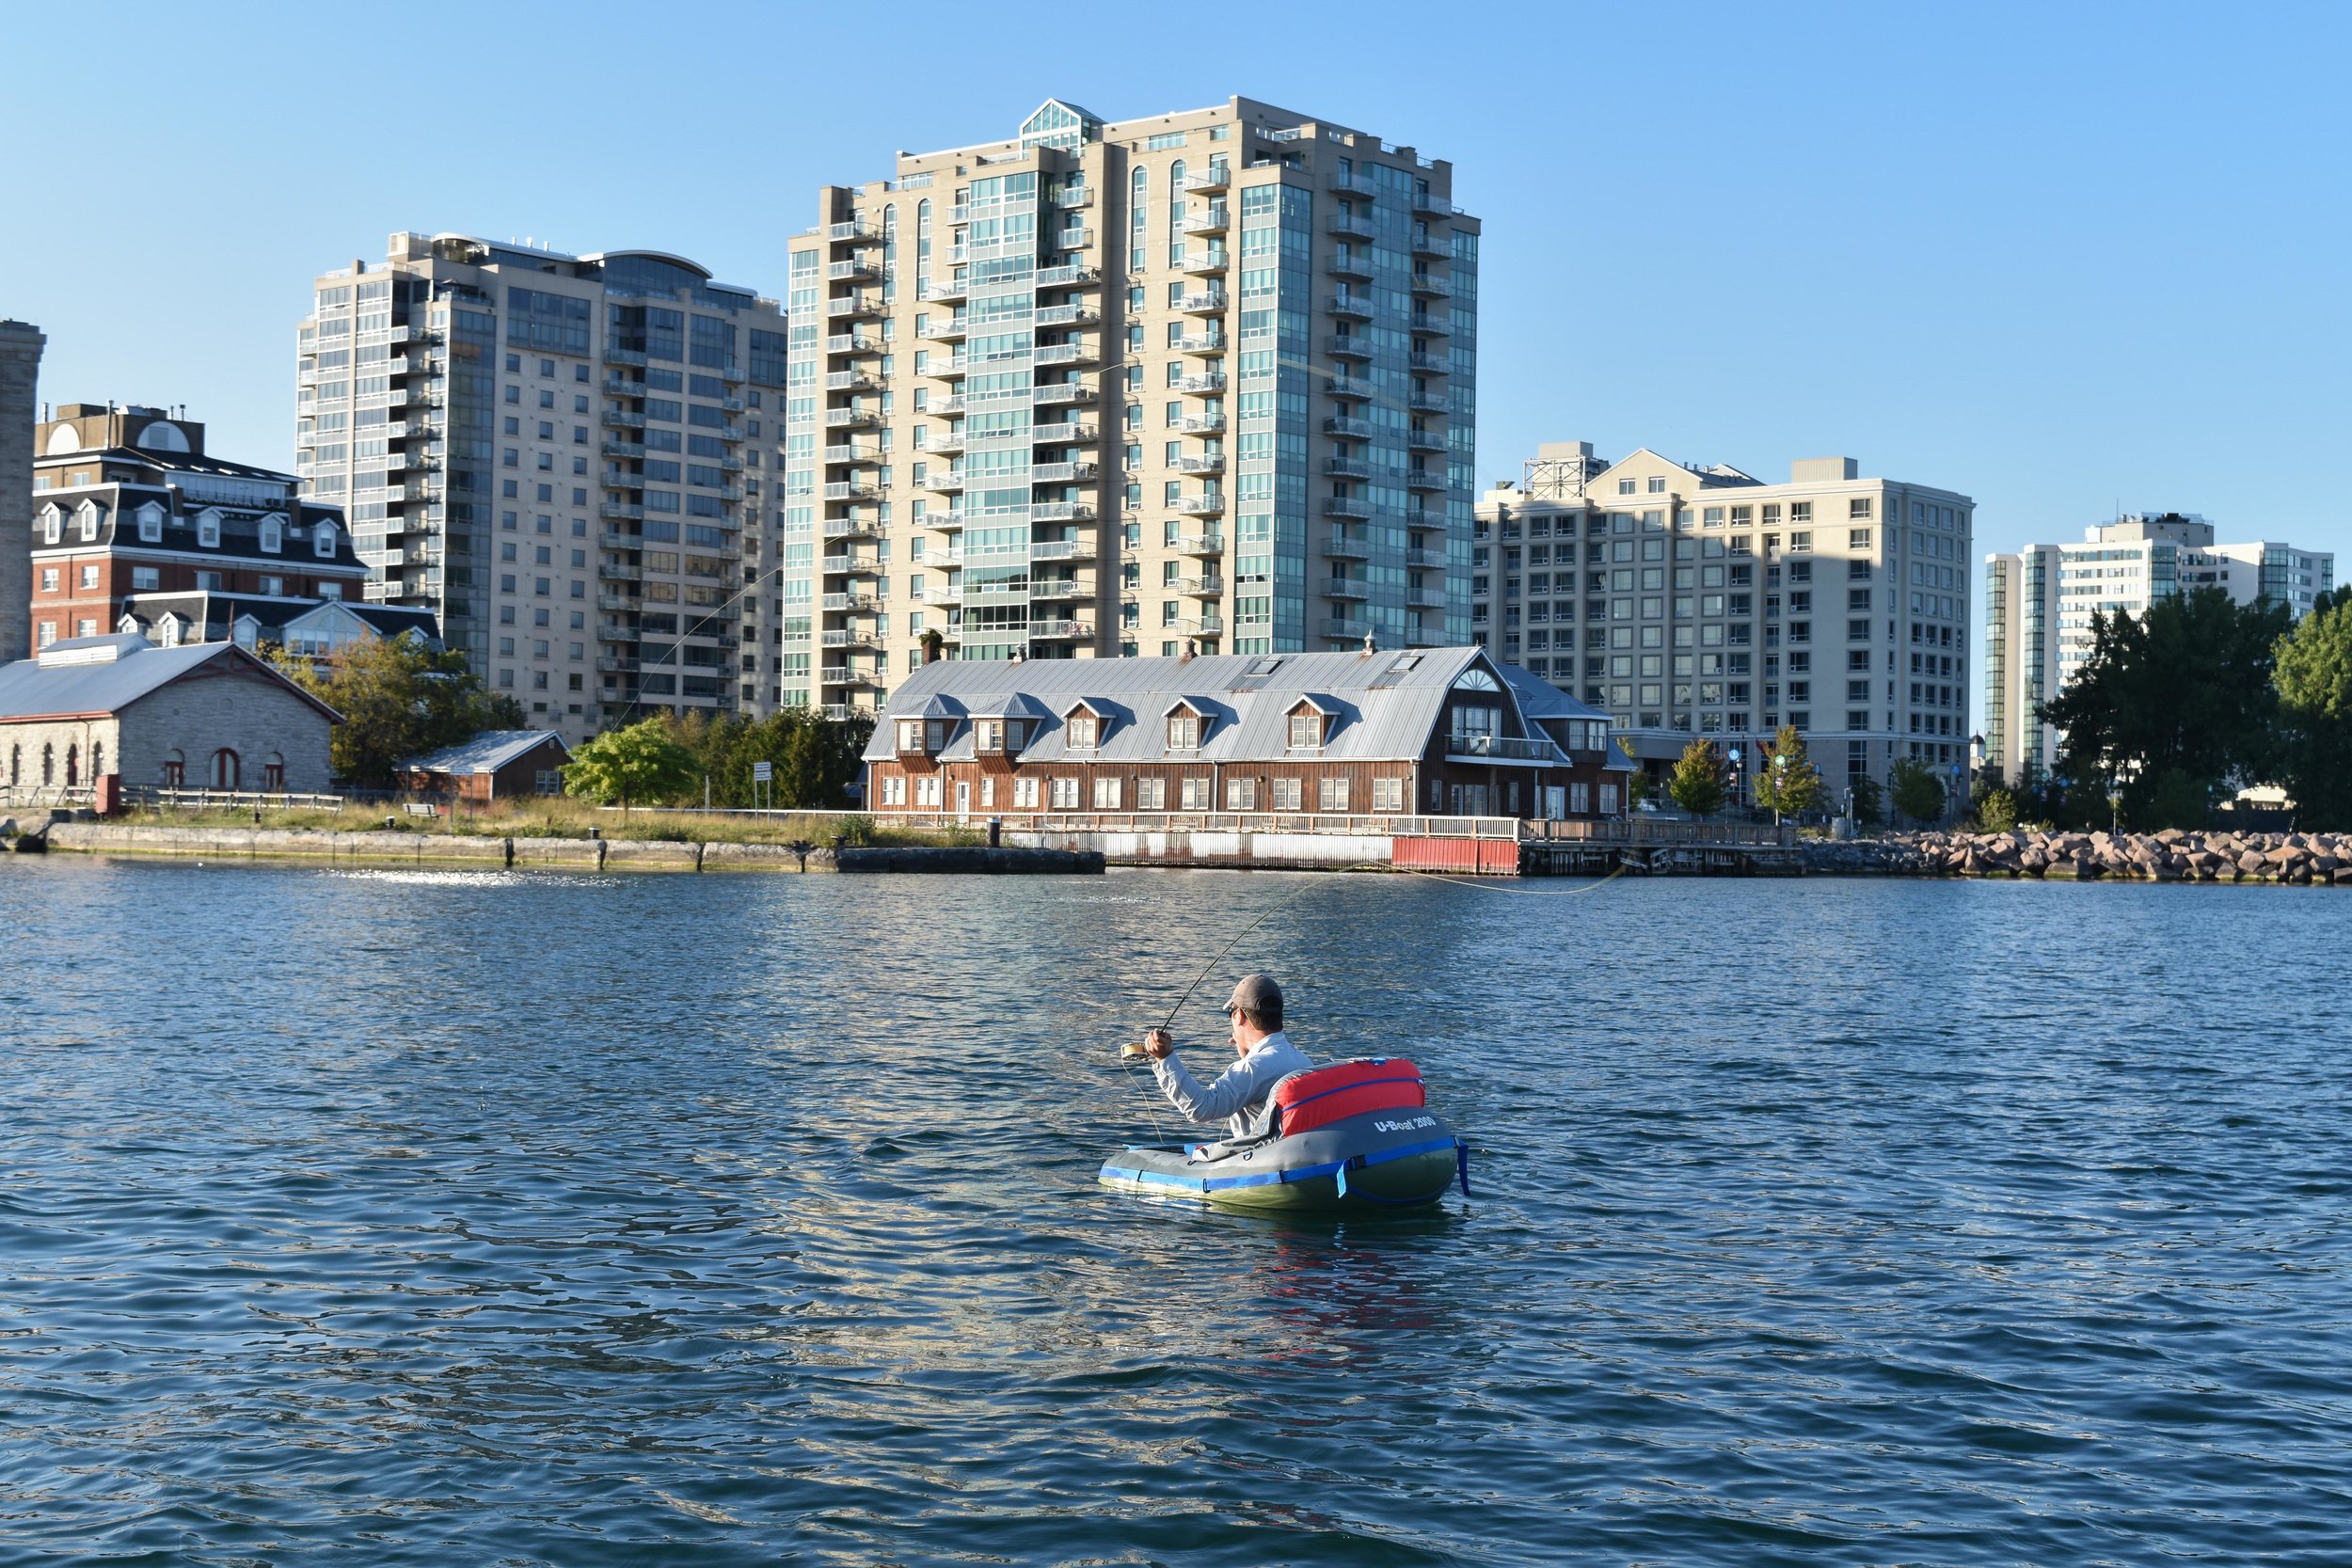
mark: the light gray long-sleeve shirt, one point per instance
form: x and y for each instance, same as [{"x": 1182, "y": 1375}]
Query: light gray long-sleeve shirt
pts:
[{"x": 1243, "y": 1093}]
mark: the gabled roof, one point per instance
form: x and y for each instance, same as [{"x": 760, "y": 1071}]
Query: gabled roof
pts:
[
  {"x": 933, "y": 707},
  {"x": 106, "y": 674},
  {"x": 384, "y": 619},
  {"x": 1387, "y": 703},
  {"x": 485, "y": 754}
]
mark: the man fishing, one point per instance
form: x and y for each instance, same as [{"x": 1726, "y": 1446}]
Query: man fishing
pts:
[{"x": 1243, "y": 1093}]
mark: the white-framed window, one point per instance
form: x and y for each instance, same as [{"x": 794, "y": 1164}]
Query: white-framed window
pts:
[
  {"x": 51, "y": 525},
  {"x": 1106, "y": 794},
  {"x": 1306, "y": 730},
  {"x": 928, "y": 791},
  {"x": 1608, "y": 800},
  {"x": 1063, "y": 794},
  {"x": 1241, "y": 795},
  {"x": 151, "y": 524},
  {"x": 1084, "y": 731},
  {"x": 273, "y": 534},
  {"x": 1024, "y": 794},
  {"x": 1579, "y": 797},
  {"x": 1387, "y": 794},
  {"x": 322, "y": 541},
  {"x": 1150, "y": 795},
  {"x": 988, "y": 791},
  {"x": 1287, "y": 793},
  {"x": 1331, "y": 794},
  {"x": 894, "y": 790},
  {"x": 1183, "y": 731},
  {"x": 208, "y": 529},
  {"x": 1193, "y": 795}
]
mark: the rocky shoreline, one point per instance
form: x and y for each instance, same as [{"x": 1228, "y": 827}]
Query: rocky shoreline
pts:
[{"x": 2170, "y": 856}]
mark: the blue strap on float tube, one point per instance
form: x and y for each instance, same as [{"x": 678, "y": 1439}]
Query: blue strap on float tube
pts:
[
  {"x": 1461, "y": 1164},
  {"x": 1342, "y": 1175}
]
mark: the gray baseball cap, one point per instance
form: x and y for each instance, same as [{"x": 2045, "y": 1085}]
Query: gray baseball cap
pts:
[{"x": 1256, "y": 995}]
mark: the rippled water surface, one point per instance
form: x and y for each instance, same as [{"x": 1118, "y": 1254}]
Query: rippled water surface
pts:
[{"x": 468, "y": 1218}]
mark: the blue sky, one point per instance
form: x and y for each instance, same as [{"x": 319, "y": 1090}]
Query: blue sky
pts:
[{"x": 2057, "y": 257}]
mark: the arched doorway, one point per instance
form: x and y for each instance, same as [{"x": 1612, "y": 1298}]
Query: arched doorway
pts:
[{"x": 224, "y": 771}]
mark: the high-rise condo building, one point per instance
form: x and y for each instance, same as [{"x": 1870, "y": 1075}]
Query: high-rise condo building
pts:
[
  {"x": 561, "y": 455},
  {"x": 2038, "y": 601},
  {"x": 1203, "y": 380},
  {"x": 1702, "y": 601},
  {"x": 20, "y": 371}
]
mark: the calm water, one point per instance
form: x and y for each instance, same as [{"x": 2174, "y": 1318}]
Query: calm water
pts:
[{"x": 389, "y": 1218}]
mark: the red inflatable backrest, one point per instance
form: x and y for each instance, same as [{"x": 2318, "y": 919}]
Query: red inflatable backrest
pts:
[{"x": 1330, "y": 1094}]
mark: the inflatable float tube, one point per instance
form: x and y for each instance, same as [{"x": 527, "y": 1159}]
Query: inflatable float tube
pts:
[{"x": 1355, "y": 1137}]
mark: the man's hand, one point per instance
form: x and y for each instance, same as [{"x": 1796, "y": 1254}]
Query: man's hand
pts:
[{"x": 1158, "y": 1042}]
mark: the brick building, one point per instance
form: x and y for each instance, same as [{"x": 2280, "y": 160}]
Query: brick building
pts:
[
  {"x": 1430, "y": 731},
  {"x": 126, "y": 502},
  {"x": 496, "y": 765},
  {"x": 203, "y": 715}
]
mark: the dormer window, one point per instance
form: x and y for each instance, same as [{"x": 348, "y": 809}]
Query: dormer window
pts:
[
  {"x": 208, "y": 529},
  {"x": 1187, "y": 725},
  {"x": 273, "y": 534},
  {"x": 922, "y": 735},
  {"x": 1309, "y": 726},
  {"x": 51, "y": 525},
  {"x": 151, "y": 524},
  {"x": 996, "y": 736},
  {"x": 322, "y": 541},
  {"x": 1086, "y": 731},
  {"x": 87, "y": 515}
]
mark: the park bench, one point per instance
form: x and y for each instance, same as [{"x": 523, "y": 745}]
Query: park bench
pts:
[{"x": 424, "y": 808}]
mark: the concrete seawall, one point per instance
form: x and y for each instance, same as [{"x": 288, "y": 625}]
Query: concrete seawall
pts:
[{"x": 453, "y": 850}]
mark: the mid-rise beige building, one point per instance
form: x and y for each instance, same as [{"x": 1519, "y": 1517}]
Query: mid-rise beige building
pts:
[
  {"x": 1201, "y": 380},
  {"x": 2038, "y": 602},
  {"x": 561, "y": 456},
  {"x": 1690, "y": 600}
]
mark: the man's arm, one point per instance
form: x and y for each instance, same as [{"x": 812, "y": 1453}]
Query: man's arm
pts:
[{"x": 1235, "y": 1087}]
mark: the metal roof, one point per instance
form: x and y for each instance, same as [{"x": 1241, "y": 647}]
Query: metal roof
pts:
[
  {"x": 485, "y": 754},
  {"x": 1383, "y": 705},
  {"x": 106, "y": 674}
]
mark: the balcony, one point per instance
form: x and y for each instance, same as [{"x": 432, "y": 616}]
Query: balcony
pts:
[
  {"x": 1203, "y": 263},
  {"x": 614, "y": 572},
  {"x": 1067, "y": 391},
  {"x": 1211, "y": 504},
  {"x": 950, "y": 483},
  {"x": 1429, "y": 364},
  {"x": 1061, "y": 511},
  {"x": 854, "y": 380},
  {"x": 1201, "y": 424},
  {"x": 1058, "y": 631},
  {"x": 1204, "y": 625},
  {"x": 1425, "y": 598},
  {"x": 1432, "y": 288},
  {"x": 1350, "y": 225},
  {"x": 852, "y": 231},
  {"x": 1429, "y": 325},
  {"x": 1074, "y": 238},
  {"x": 1208, "y": 463},
  {"x": 846, "y": 603},
  {"x": 946, "y": 367},
  {"x": 847, "y": 637},
  {"x": 1081, "y": 351},
  {"x": 851, "y": 307},
  {"x": 1071, "y": 276},
  {"x": 952, "y": 330},
  {"x": 1062, "y": 473},
  {"x": 943, "y": 407},
  {"x": 1072, "y": 196},
  {"x": 1215, "y": 219},
  {"x": 1350, "y": 266},
  {"x": 615, "y": 663},
  {"x": 1439, "y": 244},
  {"x": 1068, "y": 315},
  {"x": 1348, "y": 347},
  {"x": 1057, "y": 589},
  {"x": 948, "y": 445},
  {"x": 853, "y": 343},
  {"x": 946, "y": 519},
  {"x": 1518, "y": 748},
  {"x": 1209, "y": 302},
  {"x": 1425, "y": 440},
  {"x": 860, "y": 455},
  {"x": 851, "y": 527},
  {"x": 850, "y": 566},
  {"x": 616, "y": 355},
  {"x": 1346, "y": 506},
  {"x": 1355, "y": 430},
  {"x": 1421, "y": 479},
  {"x": 1354, "y": 631},
  {"x": 1353, "y": 307},
  {"x": 1434, "y": 559},
  {"x": 1347, "y": 386},
  {"x": 1058, "y": 432},
  {"x": 1427, "y": 403},
  {"x": 851, "y": 490},
  {"x": 620, "y": 602},
  {"x": 1201, "y": 382},
  {"x": 629, "y": 511},
  {"x": 1210, "y": 343},
  {"x": 1198, "y": 544},
  {"x": 860, "y": 269},
  {"x": 1339, "y": 547},
  {"x": 948, "y": 289},
  {"x": 1354, "y": 184},
  {"x": 1216, "y": 177},
  {"x": 1348, "y": 467},
  {"x": 848, "y": 418},
  {"x": 1208, "y": 587},
  {"x": 624, "y": 419}
]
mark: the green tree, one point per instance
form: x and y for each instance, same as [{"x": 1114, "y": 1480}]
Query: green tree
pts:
[
  {"x": 1639, "y": 785},
  {"x": 635, "y": 765},
  {"x": 2184, "y": 690},
  {"x": 1869, "y": 802},
  {"x": 1995, "y": 810},
  {"x": 398, "y": 699},
  {"x": 1786, "y": 780},
  {"x": 2314, "y": 679},
  {"x": 1918, "y": 794},
  {"x": 1698, "y": 785}
]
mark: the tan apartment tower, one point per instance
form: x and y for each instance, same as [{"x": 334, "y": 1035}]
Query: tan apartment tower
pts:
[
  {"x": 1200, "y": 382},
  {"x": 1695, "y": 600},
  {"x": 20, "y": 374},
  {"x": 559, "y": 456}
]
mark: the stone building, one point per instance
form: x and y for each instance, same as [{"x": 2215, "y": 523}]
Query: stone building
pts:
[
  {"x": 127, "y": 503},
  {"x": 1433, "y": 731},
  {"x": 201, "y": 716},
  {"x": 20, "y": 371}
]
